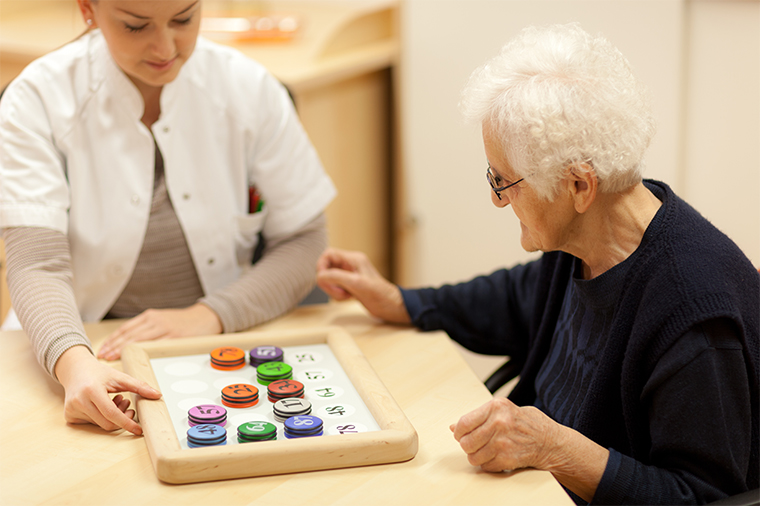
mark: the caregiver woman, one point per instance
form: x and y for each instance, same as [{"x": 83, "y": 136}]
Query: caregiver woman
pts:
[{"x": 132, "y": 163}]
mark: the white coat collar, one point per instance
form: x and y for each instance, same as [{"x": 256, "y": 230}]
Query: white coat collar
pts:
[{"x": 104, "y": 68}]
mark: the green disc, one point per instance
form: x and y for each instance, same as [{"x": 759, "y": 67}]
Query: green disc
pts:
[
  {"x": 253, "y": 431},
  {"x": 242, "y": 439},
  {"x": 272, "y": 371}
]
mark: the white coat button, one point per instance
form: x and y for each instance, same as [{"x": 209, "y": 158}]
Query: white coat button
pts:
[
  {"x": 135, "y": 200},
  {"x": 186, "y": 196},
  {"x": 166, "y": 129},
  {"x": 211, "y": 261}
]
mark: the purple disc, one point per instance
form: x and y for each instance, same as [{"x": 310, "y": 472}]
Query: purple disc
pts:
[{"x": 261, "y": 354}]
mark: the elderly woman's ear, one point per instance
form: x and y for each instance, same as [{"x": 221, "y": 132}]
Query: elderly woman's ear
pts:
[{"x": 582, "y": 184}]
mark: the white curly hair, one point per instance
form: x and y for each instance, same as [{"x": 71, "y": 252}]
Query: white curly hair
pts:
[{"x": 556, "y": 96}]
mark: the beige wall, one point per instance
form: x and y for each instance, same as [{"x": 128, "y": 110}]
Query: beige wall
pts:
[
  {"x": 721, "y": 130},
  {"x": 701, "y": 60}
]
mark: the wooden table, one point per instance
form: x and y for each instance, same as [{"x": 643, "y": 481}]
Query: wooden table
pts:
[{"x": 45, "y": 461}]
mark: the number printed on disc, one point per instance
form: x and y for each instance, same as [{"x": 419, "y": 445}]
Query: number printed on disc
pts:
[
  {"x": 262, "y": 354},
  {"x": 286, "y": 388},
  {"x": 207, "y": 434},
  {"x": 292, "y": 407},
  {"x": 240, "y": 392},
  {"x": 207, "y": 413},
  {"x": 257, "y": 429},
  {"x": 274, "y": 370},
  {"x": 228, "y": 354}
]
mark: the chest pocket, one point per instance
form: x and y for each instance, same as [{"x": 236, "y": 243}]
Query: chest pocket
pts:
[{"x": 247, "y": 235}]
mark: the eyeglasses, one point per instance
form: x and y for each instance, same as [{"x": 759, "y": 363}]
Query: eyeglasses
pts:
[{"x": 495, "y": 180}]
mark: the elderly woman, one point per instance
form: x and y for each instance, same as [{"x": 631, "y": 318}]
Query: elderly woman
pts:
[{"x": 637, "y": 330}]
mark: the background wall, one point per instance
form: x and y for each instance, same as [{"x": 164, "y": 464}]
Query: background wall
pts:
[
  {"x": 720, "y": 170},
  {"x": 700, "y": 58}
]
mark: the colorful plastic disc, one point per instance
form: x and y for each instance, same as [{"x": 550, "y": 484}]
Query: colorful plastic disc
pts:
[
  {"x": 206, "y": 435},
  {"x": 227, "y": 358},
  {"x": 240, "y": 392},
  {"x": 273, "y": 371},
  {"x": 283, "y": 389},
  {"x": 257, "y": 431},
  {"x": 261, "y": 354},
  {"x": 303, "y": 426},
  {"x": 207, "y": 414}
]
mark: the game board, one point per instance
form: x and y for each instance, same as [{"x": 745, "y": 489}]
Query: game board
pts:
[{"x": 363, "y": 423}]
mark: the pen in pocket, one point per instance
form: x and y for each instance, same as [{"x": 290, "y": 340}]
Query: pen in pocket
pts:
[{"x": 255, "y": 202}]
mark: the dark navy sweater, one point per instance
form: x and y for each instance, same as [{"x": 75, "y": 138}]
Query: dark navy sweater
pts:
[{"x": 674, "y": 392}]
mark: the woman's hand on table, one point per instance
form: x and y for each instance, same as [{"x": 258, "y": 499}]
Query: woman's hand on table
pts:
[
  {"x": 88, "y": 385},
  {"x": 196, "y": 320},
  {"x": 346, "y": 274},
  {"x": 502, "y": 436}
]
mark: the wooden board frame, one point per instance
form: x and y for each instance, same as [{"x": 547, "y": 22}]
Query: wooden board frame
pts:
[{"x": 396, "y": 441}]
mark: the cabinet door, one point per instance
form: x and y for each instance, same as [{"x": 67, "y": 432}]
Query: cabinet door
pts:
[{"x": 5, "y": 298}]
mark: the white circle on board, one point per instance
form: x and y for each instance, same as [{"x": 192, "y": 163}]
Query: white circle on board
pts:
[
  {"x": 182, "y": 369},
  {"x": 186, "y": 404},
  {"x": 303, "y": 357},
  {"x": 226, "y": 381},
  {"x": 242, "y": 418},
  {"x": 313, "y": 375},
  {"x": 347, "y": 428},
  {"x": 327, "y": 392},
  {"x": 340, "y": 410},
  {"x": 189, "y": 386}
]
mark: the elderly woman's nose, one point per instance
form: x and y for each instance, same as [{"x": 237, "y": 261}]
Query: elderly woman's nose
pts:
[{"x": 504, "y": 202}]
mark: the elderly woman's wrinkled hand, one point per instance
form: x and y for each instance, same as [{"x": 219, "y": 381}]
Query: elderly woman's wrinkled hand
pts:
[
  {"x": 501, "y": 436},
  {"x": 346, "y": 274}
]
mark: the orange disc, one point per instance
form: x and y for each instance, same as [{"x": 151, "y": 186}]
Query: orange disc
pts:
[
  {"x": 228, "y": 355},
  {"x": 240, "y": 392},
  {"x": 238, "y": 405},
  {"x": 228, "y": 368}
]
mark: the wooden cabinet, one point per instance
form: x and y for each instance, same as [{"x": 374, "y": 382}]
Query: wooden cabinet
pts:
[{"x": 5, "y": 298}]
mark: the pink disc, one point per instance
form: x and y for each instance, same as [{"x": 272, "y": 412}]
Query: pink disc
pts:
[{"x": 207, "y": 413}]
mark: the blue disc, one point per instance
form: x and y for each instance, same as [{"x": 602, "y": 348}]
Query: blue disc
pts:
[
  {"x": 293, "y": 436},
  {"x": 206, "y": 435},
  {"x": 303, "y": 432},
  {"x": 301, "y": 424},
  {"x": 191, "y": 445}
]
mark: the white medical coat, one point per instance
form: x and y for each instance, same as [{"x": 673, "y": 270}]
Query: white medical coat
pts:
[{"x": 74, "y": 157}]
